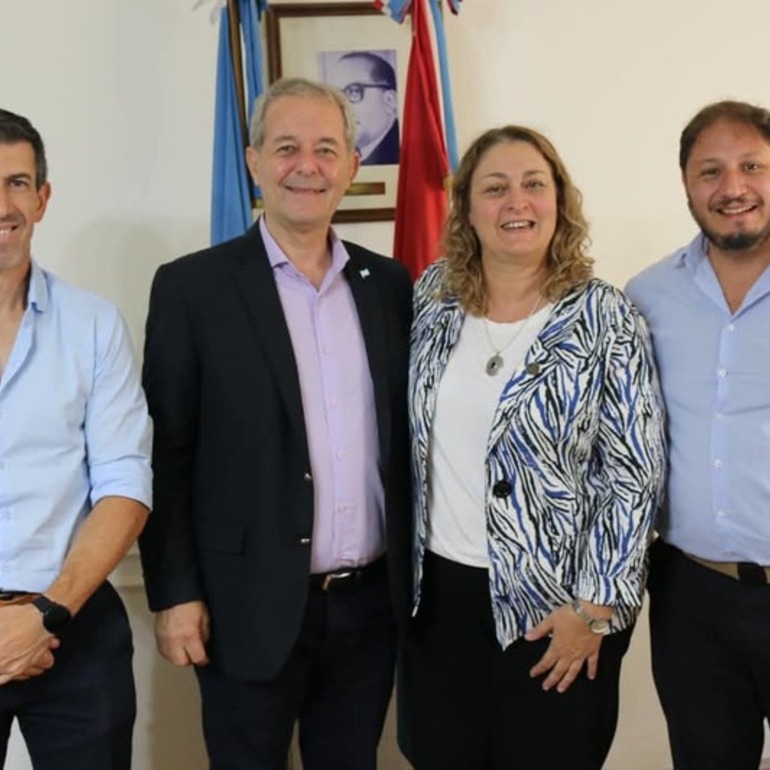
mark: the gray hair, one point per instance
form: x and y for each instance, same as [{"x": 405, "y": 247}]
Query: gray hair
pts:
[{"x": 307, "y": 89}]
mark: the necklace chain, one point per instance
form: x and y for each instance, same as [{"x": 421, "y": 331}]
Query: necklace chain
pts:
[{"x": 496, "y": 361}]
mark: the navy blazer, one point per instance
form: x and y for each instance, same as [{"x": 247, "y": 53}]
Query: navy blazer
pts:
[
  {"x": 233, "y": 489},
  {"x": 387, "y": 152}
]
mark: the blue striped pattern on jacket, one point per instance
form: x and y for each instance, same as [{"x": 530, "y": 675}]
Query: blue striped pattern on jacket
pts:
[{"x": 578, "y": 434}]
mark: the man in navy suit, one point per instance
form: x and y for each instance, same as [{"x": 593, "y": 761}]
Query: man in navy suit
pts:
[
  {"x": 369, "y": 82},
  {"x": 278, "y": 556}
]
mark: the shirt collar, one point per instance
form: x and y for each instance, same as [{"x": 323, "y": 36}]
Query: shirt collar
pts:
[
  {"x": 278, "y": 259},
  {"x": 694, "y": 253},
  {"x": 366, "y": 150},
  {"x": 37, "y": 293}
]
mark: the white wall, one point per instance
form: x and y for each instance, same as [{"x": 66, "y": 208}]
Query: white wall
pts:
[{"x": 122, "y": 91}]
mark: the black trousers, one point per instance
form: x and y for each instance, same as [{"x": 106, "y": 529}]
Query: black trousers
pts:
[
  {"x": 80, "y": 714},
  {"x": 710, "y": 639},
  {"x": 471, "y": 706},
  {"x": 336, "y": 683}
]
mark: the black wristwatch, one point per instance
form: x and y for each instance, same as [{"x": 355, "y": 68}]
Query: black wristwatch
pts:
[{"x": 56, "y": 617}]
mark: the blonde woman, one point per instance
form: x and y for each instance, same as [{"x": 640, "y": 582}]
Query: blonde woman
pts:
[{"x": 538, "y": 459}]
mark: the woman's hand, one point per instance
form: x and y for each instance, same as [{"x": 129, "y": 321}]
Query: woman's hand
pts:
[{"x": 573, "y": 644}]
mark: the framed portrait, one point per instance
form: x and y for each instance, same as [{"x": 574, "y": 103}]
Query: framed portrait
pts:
[{"x": 365, "y": 54}]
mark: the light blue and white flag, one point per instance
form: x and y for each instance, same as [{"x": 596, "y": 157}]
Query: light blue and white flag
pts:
[
  {"x": 398, "y": 10},
  {"x": 232, "y": 191}
]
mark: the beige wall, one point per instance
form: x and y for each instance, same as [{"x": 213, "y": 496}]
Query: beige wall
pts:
[{"x": 123, "y": 92}]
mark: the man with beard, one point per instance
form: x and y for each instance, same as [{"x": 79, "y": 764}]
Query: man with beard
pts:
[{"x": 708, "y": 306}]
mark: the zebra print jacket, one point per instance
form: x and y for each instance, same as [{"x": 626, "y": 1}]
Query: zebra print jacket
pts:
[{"x": 575, "y": 462}]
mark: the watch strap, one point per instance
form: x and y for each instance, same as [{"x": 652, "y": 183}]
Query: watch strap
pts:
[
  {"x": 596, "y": 625},
  {"x": 55, "y": 616}
]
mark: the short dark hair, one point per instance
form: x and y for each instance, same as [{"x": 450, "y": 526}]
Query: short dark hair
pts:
[
  {"x": 15, "y": 128},
  {"x": 380, "y": 70},
  {"x": 728, "y": 111}
]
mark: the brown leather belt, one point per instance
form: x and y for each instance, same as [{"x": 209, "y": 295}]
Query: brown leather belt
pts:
[
  {"x": 743, "y": 571},
  {"x": 16, "y": 597},
  {"x": 345, "y": 579}
]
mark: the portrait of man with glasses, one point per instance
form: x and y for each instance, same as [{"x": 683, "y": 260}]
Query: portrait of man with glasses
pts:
[{"x": 368, "y": 79}]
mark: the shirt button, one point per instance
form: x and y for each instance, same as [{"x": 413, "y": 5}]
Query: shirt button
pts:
[
  {"x": 722, "y": 372},
  {"x": 731, "y": 327},
  {"x": 502, "y": 489},
  {"x": 717, "y": 464},
  {"x": 327, "y": 351},
  {"x": 721, "y": 514},
  {"x": 342, "y": 454},
  {"x": 719, "y": 416}
]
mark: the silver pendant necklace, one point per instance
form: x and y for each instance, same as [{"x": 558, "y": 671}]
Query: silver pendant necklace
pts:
[{"x": 496, "y": 361}]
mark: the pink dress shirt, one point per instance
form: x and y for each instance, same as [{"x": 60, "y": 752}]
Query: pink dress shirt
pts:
[{"x": 338, "y": 404}]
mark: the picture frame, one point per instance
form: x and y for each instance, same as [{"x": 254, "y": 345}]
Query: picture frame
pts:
[{"x": 305, "y": 39}]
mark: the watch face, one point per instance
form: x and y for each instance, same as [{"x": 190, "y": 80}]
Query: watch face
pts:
[
  {"x": 56, "y": 617},
  {"x": 596, "y": 625}
]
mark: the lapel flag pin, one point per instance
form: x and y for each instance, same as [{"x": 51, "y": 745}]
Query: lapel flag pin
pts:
[{"x": 364, "y": 273}]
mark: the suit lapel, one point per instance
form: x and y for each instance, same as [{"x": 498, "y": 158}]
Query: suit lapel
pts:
[
  {"x": 372, "y": 316},
  {"x": 256, "y": 286}
]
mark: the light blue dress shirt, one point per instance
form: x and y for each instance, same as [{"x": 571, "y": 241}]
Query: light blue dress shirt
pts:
[
  {"x": 715, "y": 372},
  {"x": 73, "y": 427}
]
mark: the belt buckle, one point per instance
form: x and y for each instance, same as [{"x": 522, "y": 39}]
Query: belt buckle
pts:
[{"x": 338, "y": 579}]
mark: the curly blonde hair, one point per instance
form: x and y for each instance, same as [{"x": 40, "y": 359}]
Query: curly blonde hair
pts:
[{"x": 569, "y": 265}]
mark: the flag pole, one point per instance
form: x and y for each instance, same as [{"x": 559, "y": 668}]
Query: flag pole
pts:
[{"x": 236, "y": 57}]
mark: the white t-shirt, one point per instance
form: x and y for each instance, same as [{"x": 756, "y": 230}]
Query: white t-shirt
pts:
[{"x": 465, "y": 408}]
